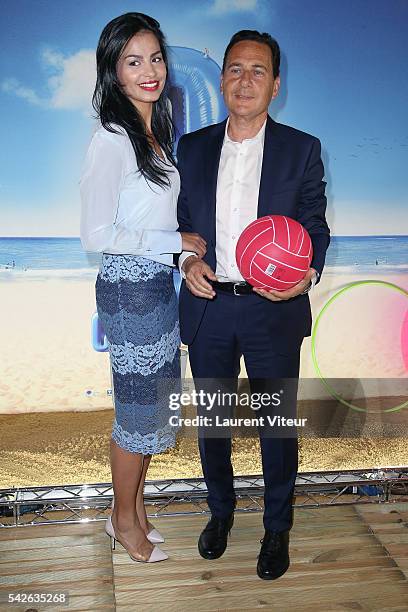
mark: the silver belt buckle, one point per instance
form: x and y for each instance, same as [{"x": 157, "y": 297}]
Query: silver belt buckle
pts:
[{"x": 235, "y": 286}]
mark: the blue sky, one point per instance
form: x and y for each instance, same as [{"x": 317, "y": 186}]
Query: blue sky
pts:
[{"x": 344, "y": 79}]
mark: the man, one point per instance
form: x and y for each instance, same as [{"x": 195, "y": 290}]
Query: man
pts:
[{"x": 231, "y": 173}]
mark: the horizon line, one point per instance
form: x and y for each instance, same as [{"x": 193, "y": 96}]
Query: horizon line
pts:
[{"x": 331, "y": 235}]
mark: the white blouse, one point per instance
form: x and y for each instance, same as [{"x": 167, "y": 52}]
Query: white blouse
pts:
[{"x": 122, "y": 213}]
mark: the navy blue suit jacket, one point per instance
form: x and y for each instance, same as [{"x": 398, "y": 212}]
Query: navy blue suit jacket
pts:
[{"x": 291, "y": 184}]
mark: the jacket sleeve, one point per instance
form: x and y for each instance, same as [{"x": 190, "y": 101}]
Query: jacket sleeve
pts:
[
  {"x": 312, "y": 207},
  {"x": 183, "y": 215}
]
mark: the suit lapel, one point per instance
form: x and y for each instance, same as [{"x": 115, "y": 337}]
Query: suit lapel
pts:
[
  {"x": 212, "y": 162},
  {"x": 269, "y": 173}
]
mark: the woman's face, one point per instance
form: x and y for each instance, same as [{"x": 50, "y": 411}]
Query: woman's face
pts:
[{"x": 141, "y": 70}]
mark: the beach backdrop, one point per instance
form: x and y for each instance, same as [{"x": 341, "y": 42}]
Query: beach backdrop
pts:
[
  {"x": 342, "y": 80},
  {"x": 48, "y": 301}
]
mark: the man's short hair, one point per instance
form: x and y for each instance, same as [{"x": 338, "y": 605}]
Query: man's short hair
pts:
[{"x": 256, "y": 36}]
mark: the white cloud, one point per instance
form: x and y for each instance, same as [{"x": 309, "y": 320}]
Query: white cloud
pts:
[
  {"x": 220, "y": 7},
  {"x": 74, "y": 82},
  {"x": 52, "y": 58},
  {"x": 13, "y": 86},
  {"x": 70, "y": 85}
]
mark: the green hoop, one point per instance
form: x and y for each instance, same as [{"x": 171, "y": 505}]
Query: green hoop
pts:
[{"x": 334, "y": 297}]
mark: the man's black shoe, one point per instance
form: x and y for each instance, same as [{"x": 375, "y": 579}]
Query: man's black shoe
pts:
[
  {"x": 213, "y": 539},
  {"x": 273, "y": 560}
]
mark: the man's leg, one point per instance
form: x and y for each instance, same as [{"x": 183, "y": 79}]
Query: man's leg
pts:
[
  {"x": 214, "y": 360},
  {"x": 272, "y": 362},
  {"x": 279, "y": 443}
]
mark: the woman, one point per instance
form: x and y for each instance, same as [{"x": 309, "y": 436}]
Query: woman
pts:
[{"x": 129, "y": 190}]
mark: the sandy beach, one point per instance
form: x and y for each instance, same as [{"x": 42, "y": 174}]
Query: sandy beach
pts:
[
  {"x": 48, "y": 363},
  {"x": 49, "y": 366},
  {"x": 73, "y": 448}
]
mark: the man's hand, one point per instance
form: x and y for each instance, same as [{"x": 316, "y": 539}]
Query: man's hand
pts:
[
  {"x": 279, "y": 296},
  {"x": 196, "y": 271},
  {"x": 193, "y": 242}
]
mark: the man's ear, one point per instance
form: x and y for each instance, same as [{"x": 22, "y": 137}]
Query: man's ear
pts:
[
  {"x": 221, "y": 84},
  {"x": 276, "y": 87}
]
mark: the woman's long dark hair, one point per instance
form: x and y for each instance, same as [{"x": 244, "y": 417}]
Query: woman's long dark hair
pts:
[{"x": 113, "y": 106}]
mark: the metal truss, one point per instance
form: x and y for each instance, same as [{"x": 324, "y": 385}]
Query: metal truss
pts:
[{"x": 91, "y": 502}]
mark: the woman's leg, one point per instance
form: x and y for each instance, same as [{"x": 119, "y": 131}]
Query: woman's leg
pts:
[
  {"x": 126, "y": 470},
  {"x": 140, "y": 507},
  {"x": 120, "y": 298}
]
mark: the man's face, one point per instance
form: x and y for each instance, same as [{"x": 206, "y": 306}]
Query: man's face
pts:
[{"x": 247, "y": 82}]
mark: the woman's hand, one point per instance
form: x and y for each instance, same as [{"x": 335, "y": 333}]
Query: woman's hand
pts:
[{"x": 194, "y": 242}]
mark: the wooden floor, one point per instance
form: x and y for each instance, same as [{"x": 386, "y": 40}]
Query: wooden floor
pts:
[
  {"x": 58, "y": 558},
  {"x": 342, "y": 558}
]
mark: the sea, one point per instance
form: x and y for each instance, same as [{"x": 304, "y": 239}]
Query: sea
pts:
[{"x": 63, "y": 258}]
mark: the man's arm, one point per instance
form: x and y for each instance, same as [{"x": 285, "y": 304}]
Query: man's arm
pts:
[
  {"x": 183, "y": 215},
  {"x": 195, "y": 270},
  {"x": 312, "y": 207}
]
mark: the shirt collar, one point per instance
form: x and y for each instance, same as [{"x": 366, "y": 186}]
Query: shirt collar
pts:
[{"x": 258, "y": 138}]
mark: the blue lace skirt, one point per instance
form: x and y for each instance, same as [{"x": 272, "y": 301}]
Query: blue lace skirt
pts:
[{"x": 138, "y": 309}]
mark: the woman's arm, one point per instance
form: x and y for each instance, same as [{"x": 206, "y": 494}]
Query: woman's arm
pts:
[{"x": 100, "y": 185}]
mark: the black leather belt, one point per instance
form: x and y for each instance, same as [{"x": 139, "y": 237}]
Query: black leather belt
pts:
[{"x": 241, "y": 288}]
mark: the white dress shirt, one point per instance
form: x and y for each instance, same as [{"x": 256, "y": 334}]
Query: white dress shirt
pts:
[
  {"x": 239, "y": 177},
  {"x": 121, "y": 212}
]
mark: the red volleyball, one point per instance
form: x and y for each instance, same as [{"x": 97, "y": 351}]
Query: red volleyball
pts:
[{"x": 274, "y": 252}]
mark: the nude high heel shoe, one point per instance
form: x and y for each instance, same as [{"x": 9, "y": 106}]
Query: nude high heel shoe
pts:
[
  {"x": 156, "y": 555},
  {"x": 154, "y": 536}
]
